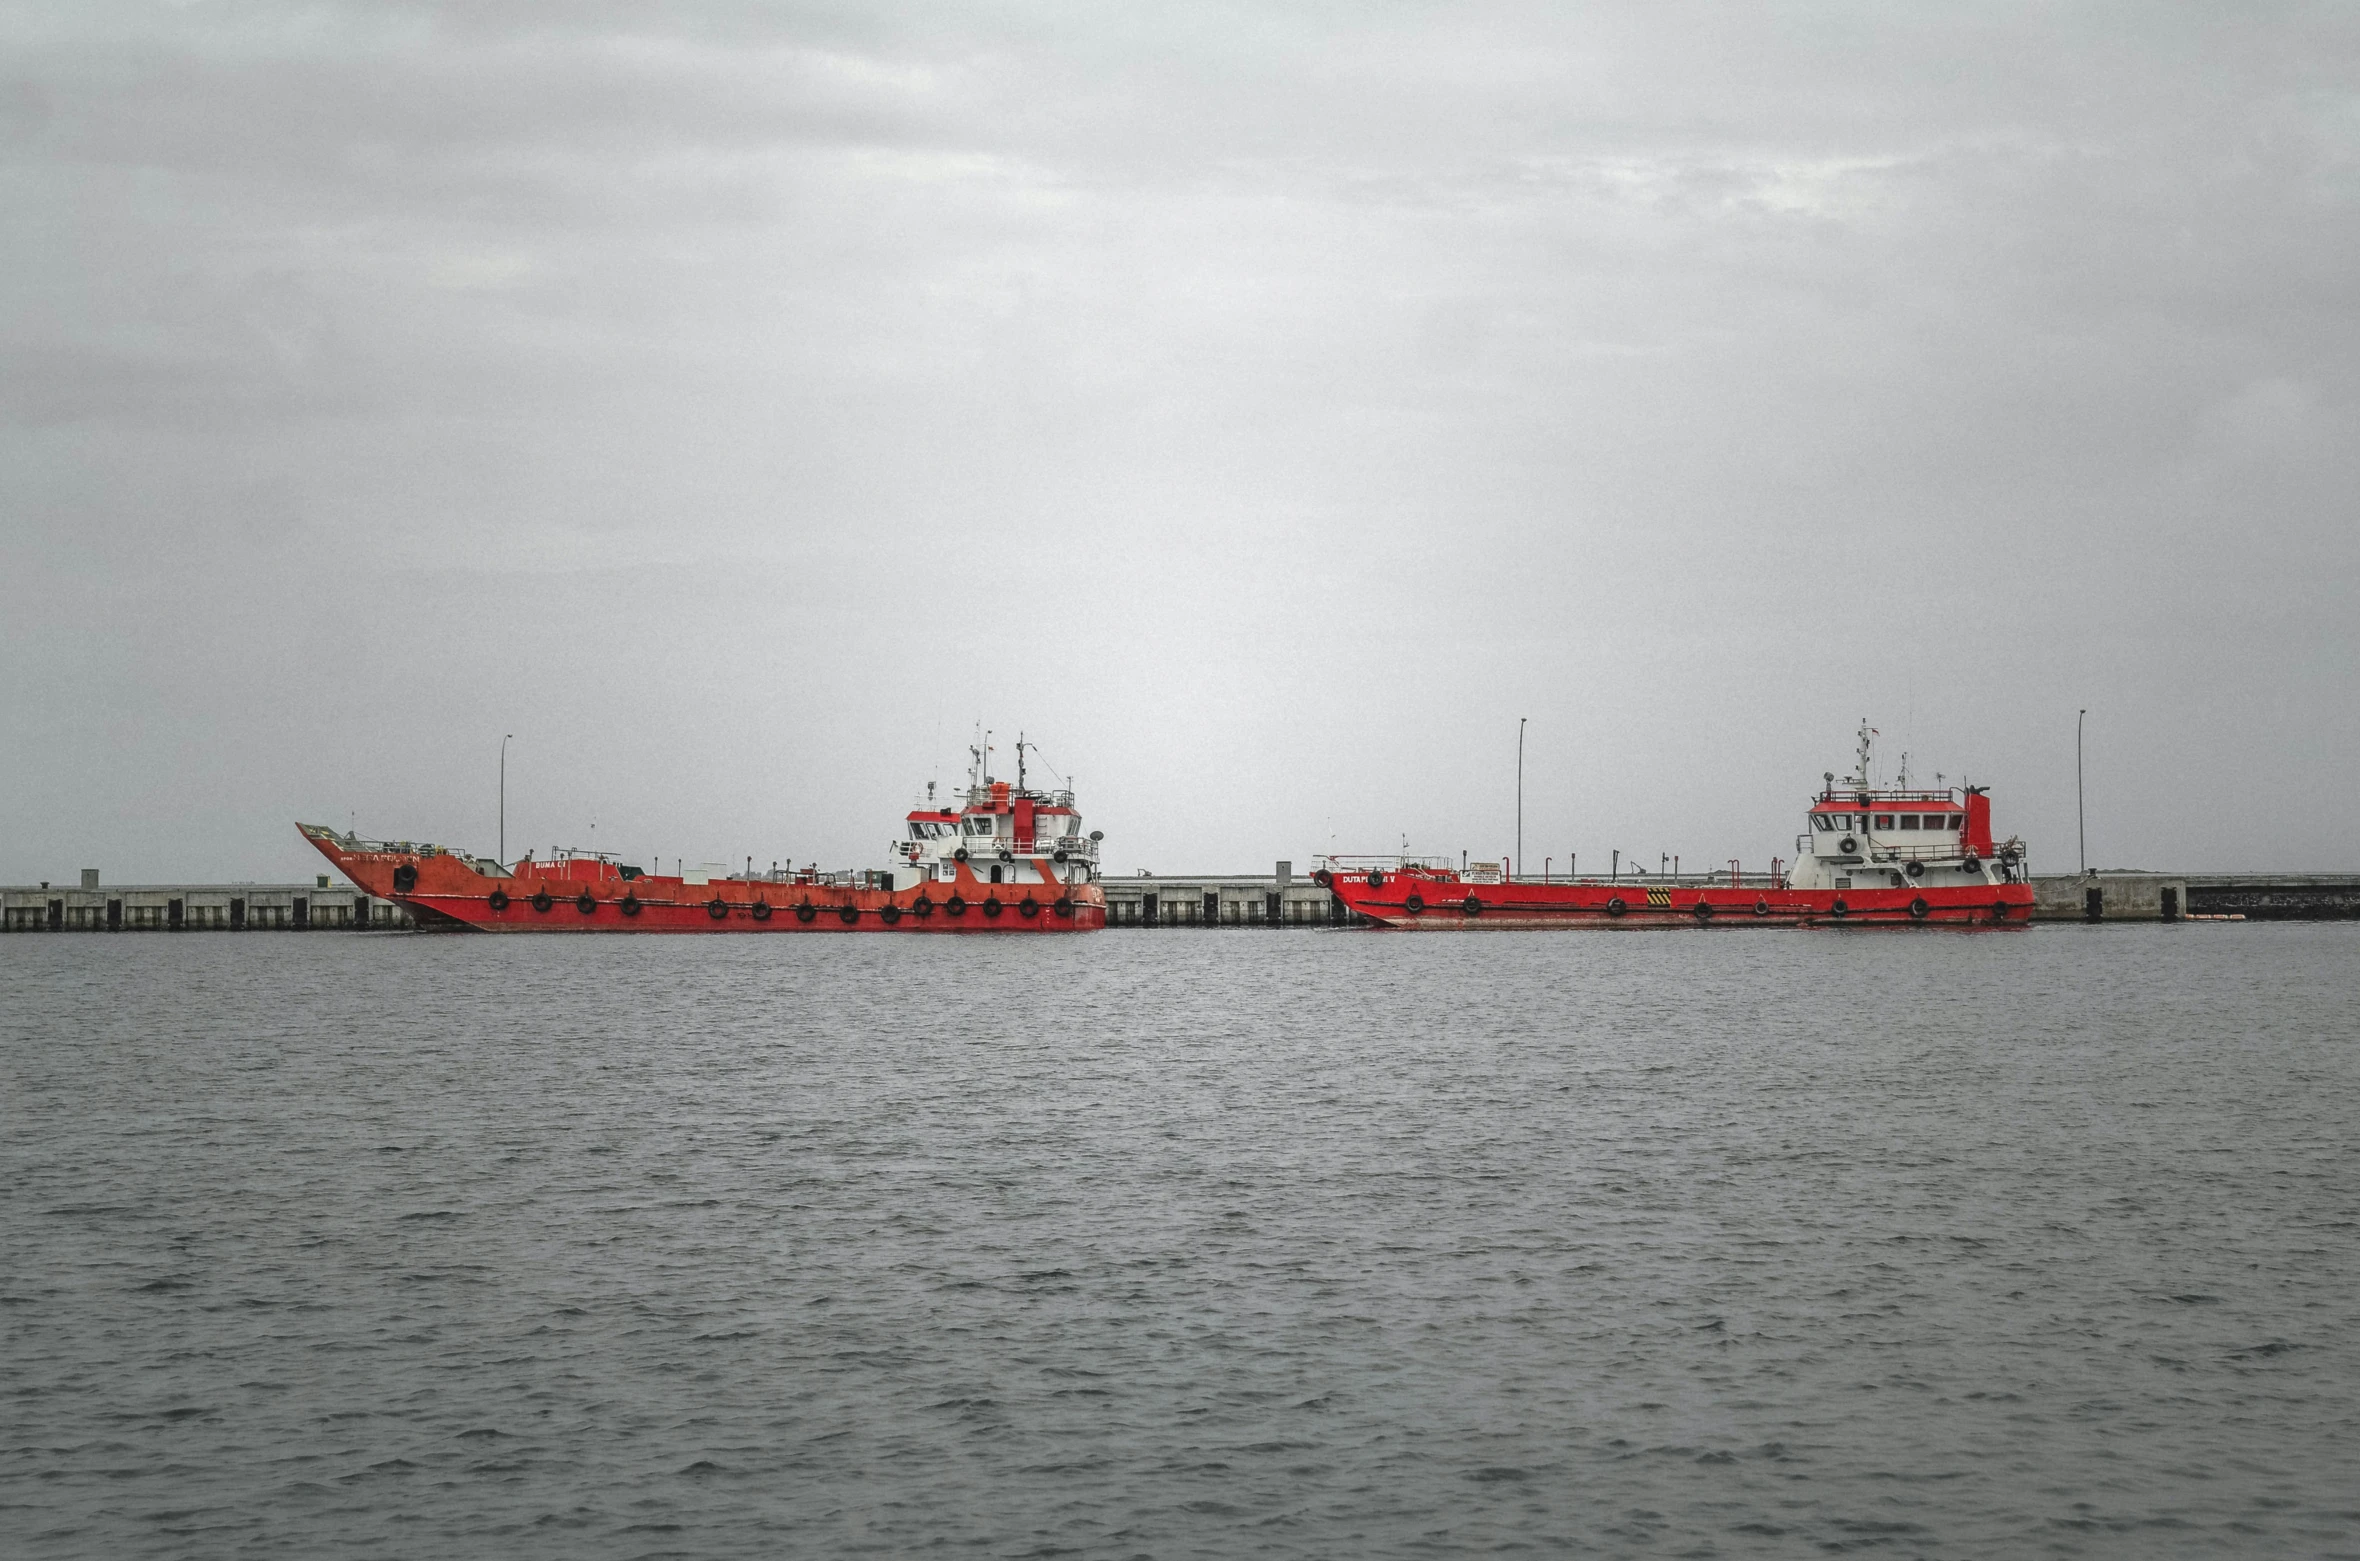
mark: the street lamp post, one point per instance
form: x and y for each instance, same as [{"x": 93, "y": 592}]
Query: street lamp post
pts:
[
  {"x": 504, "y": 737},
  {"x": 2081, "y": 819},
  {"x": 1519, "y": 790}
]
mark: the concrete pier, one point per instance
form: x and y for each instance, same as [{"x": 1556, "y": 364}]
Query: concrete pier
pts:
[
  {"x": 90, "y": 906},
  {"x": 1200, "y": 900},
  {"x": 2129, "y": 896},
  {"x": 1220, "y": 900}
]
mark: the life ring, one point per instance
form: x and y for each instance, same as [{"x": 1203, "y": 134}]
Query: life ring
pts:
[
  {"x": 1973, "y": 863},
  {"x": 954, "y": 906},
  {"x": 1918, "y": 907},
  {"x": 1702, "y": 910},
  {"x": 541, "y": 900},
  {"x": 1761, "y": 907},
  {"x": 1028, "y": 907},
  {"x": 1376, "y": 880},
  {"x": 405, "y": 878},
  {"x": 717, "y": 908},
  {"x": 1471, "y": 905},
  {"x": 806, "y": 912},
  {"x": 923, "y": 906},
  {"x": 1415, "y": 905},
  {"x": 586, "y": 903},
  {"x": 1839, "y": 910},
  {"x": 499, "y": 900},
  {"x": 1847, "y": 845},
  {"x": 1064, "y": 906},
  {"x": 889, "y": 914},
  {"x": 992, "y": 905},
  {"x": 1615, "y": 906},
  {"x": 1915, "y": 869},
  {"x": 959, "y": 855},
  {"x": 848, "y": 914},
  {"x": 628, "y": 905},
  {"x": 761, "y": 910}
]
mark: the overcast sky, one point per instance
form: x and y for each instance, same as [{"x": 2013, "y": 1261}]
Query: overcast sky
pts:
[{"x": 1262, "y": 407}]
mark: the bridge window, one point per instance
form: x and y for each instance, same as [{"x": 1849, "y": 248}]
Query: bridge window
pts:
[
  {"x": 1909, "y": 821},
  {"x": 1884, "y": 821}
]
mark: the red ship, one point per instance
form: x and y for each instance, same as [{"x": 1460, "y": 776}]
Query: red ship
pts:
[
  {"x": 1871, "y": 856},
  {"x": 1011, "y": 859}
]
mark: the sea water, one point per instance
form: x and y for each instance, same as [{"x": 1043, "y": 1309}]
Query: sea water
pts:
[{"x": 1163, "y": 1243}]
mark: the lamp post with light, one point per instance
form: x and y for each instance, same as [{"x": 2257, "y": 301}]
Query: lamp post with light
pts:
[
  {"x": 2081, "y": 821},
  {"x": 504, "y": 739}
]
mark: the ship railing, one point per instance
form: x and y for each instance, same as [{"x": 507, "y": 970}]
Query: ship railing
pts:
[
  {"x": 1628, "y": 879},
  {"x": 1390, "y": 864},
  {"x": 1952, "y": 851},
  {"x": 345, "y": 842},
  {"x": 1077, "y": 848},
  {"x": 1879, "y": 796}
]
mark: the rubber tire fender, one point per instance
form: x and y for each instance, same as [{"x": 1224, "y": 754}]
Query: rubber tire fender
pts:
[
  {"x": 1918, "y": 908},
  {"x": 717, "y": 908},
  {"x": 806, "y": 912},
  {"x": 1057, "y": 855},
  {"x": 954, "y": 906},
  {"x": 1007, "y": 855},
  {"x": 541, "y": 901},
  {"x": 1915, "y": 869},
  {"x": 628, "y": 905},
  {"x": 586, "y": 903},
  {"x": 1848, "y": 846},
  {"x": 923, "y": 906},
  {"x": 889, "y": 914},
  {"x": 1702, "y": 910},
  {"x": 992, "y": 905},
  {"x": 848, "y": 914},
  {"x": 1376, "y": 881},
  {"x": 1415, "y": 905},
  {"x": 760, "y": 911},
  {"x": 1471, "y": 906},
  {"x": 1973, "y": 863},
  {"x": 1615, "y": 906},
  {"x": 1999, "y": 910},
  {"x": 1028, "y": 907},
  {"x": 1761, "y": 907},
  {"x": 1064, "y": 907},
  {"x": 405, "y": 878},
  {"x": 499, "y": 900},
  {"x": 959, "y": 855},
  {"x": 1839, "y": 910}
]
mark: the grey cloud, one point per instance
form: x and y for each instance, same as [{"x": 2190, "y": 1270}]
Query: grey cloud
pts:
[{"x": 1300, "y": 393}]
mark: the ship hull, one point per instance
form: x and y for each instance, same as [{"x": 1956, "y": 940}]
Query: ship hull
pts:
[
  {"x": 449, "y": 892},
  {"x": 1416, "y": 901}
]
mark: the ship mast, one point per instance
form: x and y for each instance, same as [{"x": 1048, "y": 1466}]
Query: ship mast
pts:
[{"x": 1860, "y": 779}]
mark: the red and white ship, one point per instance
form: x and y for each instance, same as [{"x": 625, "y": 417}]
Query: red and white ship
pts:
[
  {"x": 1010, "y": 859},
  {"x": 1889, "y": 856}
]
